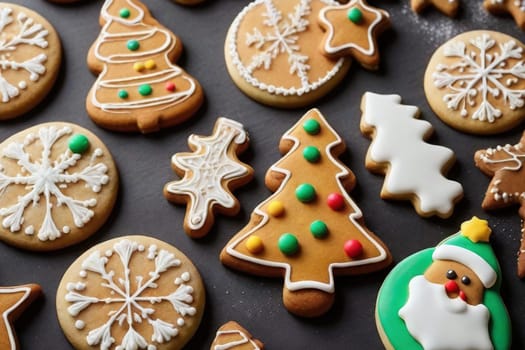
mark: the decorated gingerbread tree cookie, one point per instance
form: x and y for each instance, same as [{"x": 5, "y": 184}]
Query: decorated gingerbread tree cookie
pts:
[
  {"x": 414, "y": 168},
  {"x": 446, "y": 297},
  {"x": 232, "y": 336},
  {"x": 507, "y": 187},
  {"x": 310, "y": 229},
  {"x": 138, "y": 86}
]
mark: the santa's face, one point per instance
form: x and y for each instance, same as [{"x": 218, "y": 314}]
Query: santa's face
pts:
[
  {"x": 457, "y": 280},
  {"x": 437, "y": 321}
]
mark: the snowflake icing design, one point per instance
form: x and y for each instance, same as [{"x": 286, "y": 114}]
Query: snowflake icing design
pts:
[
  {"x": 207, "y": 168},
  {"x": 130, "y": 305},
  {"x": 480, "y": 75},
  {"x": 48, "y": 178},
  {"x": 29, "y": 33},
  {"x": 281, "y": 39}
]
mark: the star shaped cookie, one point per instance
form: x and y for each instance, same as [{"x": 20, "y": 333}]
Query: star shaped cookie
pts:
[
  {"x": 516, "y": 8},
  {"x": 351, "y": 30},
  {"x": 13, "y": 301},
  {"x": 448, "y": 7}
]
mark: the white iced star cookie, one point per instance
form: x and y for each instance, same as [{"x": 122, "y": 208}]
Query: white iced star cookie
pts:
[
  {"x": 132, "y": 292},
  {"x": 30, "y": 57},
  {"x": 58, "y": 185},
  {"x": 475, "y": 82}
]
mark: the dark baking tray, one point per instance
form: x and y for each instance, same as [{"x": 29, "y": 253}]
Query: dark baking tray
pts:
[{"x": 144, "y": 164}]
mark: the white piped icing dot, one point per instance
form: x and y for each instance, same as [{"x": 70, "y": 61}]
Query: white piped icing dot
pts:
[
  {"x": 66, "y": 229},
  {"x": 152, "y": 252},
  {"x": 109, "y": 253},
  {"x": 185, "y": 276},
  {"x": 180, "y": 322},
  {"x": 30, "y": 230},
  {"x": 79, "y": 324},
  {"x": 82, "y": 274},
  {"x": 22, "y": 85},
  {"x": 141, "y": 248}
]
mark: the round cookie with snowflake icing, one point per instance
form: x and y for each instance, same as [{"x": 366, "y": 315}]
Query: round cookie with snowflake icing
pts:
[
  {"x": 58, "y": 185},
  {"x": 475, "y": 82},
  {"x": 272, "y": 53},
  {"x": 30, "y": 57},
  {"x": 132, "y": 292}
]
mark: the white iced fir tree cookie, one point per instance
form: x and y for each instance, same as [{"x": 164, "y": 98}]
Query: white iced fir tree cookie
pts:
[{"x": 58, "y": 185}]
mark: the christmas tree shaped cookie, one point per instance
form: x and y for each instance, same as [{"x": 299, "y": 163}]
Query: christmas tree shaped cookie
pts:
[
  {"x": 414, "y": 169},
  {"x": 448, "y": 7},
  {"x": 210, "y": 173},
  {"x": 232, "y": 336},
  {"x": 310, "y": 229},
  {"x": 446, "y": 297},
  {"x": 507, "y": 187},
  {"x": 138, "y": 87}
]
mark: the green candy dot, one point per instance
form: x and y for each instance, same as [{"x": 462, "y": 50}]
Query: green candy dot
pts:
[
  {"x": 288, "y": 244},
  {"x": 355, "y": 15},
  {"x": 305, "y": 193},
  {"x": 124, "y": 12},
  {"x": 145, "y": 90},
  {"x": 123, "y": 94},
  {"x": 78, "y": 143},
  {"x": 133, "y": 45},
  {"x": 318, "y": 229},
  {"x": 311, "y": 154},
  {"x": 311, "y": 126}
]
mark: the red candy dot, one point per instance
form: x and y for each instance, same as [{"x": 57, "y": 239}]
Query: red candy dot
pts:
[
  {"x": 335, "y": 201},
  {"x": 451, "y": 287},
  {"x": 170, "y": 86},
  {"x": 353, "y": 248}
]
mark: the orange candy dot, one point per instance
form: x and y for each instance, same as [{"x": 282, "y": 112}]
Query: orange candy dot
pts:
[{"x": 254, "y": 244}]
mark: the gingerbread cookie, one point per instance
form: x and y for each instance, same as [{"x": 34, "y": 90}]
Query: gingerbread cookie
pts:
[
  {"x": 58, "y": 184},
  {"x": 272, "y": 53},
  {"x": 413, "y": 169},
  {"x": 351, "y": 30},
  {"x": 310, "y": 229},
  {"x": 448, "y": 7},
  {"x": 507, "y": 187},
  {"x": 13, "y": 302},
  {"x": 189, "y": 2},
  {"x": 209, "y": 175},
  {"x": 30, "y": 57},
  {"x": 476, "y": 82},
  {"x": 132, "y": 292},
  {"x": 232, "y": 336},
  {"x": 138, "y": 87},
  {"x": 516, "y": 8},
  {"x": 446, "y": 297}
]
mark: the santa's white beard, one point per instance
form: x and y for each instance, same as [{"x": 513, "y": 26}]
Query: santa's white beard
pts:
[{"x": 440, "y": 323}]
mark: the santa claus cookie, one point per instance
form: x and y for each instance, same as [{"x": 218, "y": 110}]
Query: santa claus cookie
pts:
[
  {"x": 309, "y": 230},
  {"x": 446, "y": 297},
  {"x": 30, "y": 57},
  {"x": 475, "y": 82},
  {"x": 132, "y": 292},
  {"x": 516, "y": 8},
  {"x": 209, "y": 175},
  {"x": 505, "y": 165},
  {"x": 58, "y": 185},
  {"x": 232, "y": 336},
  {"x": 272, "y": 53},
  {"x": 138, "y": 86},
  {"x": 448, "y": 7}
]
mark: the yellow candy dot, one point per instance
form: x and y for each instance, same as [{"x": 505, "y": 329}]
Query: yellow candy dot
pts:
[
  {"x": 276, "y": 208},
  {"x": 150, "y": 64},
  {"x": 254, "y": 244},
  {"x": 138, "y": 66}
]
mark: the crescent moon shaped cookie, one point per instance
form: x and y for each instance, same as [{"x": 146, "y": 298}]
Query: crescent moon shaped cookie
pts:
[
  {"x": 232, "y": 336},
  {"x": 351, "y": 30},
  {"x": 13, "y": 302},
  {"x": 516, "y": 8},
  {"x": 272, "y": 53},
  {"x": 448, "y": 7},
  {"x": 138, "y": 86},
  {"x": 309, "y": 230},
  {"x": 475, "y": 82},
  {"x": 132, "y": 292},
  {"x": 446, "y": 297},
  {"x": 58, "y": 185},
  {"x": 209, "y": 175},
  {"x": 30, "y": 58}
]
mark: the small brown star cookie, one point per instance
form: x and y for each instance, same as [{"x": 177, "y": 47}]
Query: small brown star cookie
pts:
[
  {"x": 351, "y": 30},
  {"x": 516, "y": 8},
  {"x": 448, "y": 7}
]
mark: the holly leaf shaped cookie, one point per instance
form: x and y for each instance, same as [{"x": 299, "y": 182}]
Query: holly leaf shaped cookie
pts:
[
  {"x": 351, "y": 30},
  {"x": 448, "y": 7}
]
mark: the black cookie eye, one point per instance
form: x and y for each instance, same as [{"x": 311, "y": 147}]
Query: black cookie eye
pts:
[
  {"x": 452, "y": 275},
  {"x": 465, "y": 280}
]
